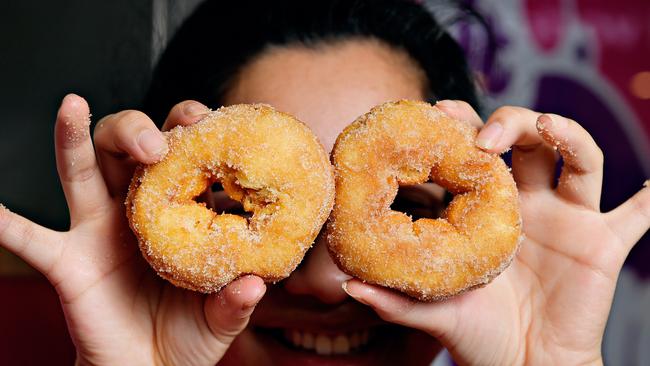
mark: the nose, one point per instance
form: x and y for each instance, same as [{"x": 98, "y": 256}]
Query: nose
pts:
[{"x": 318, "y": 276}]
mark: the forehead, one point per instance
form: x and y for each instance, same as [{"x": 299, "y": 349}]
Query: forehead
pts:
[{"x": 329, "y": 85}]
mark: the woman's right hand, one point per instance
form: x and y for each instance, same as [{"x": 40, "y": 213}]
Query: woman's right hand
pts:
[{"x": 117, "y": 309}]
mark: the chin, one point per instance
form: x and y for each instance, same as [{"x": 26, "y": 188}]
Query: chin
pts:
[{"x": 381, "y": 344}]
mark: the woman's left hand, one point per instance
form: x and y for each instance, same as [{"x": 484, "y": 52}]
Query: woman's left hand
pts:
[{"x": 551, "y": 305}]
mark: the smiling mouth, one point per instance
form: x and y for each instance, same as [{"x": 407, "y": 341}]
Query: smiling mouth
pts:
[{"x": 325, "y": 344}]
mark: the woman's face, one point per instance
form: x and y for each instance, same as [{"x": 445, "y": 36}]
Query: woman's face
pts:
[{"x": 308, "y": 319}]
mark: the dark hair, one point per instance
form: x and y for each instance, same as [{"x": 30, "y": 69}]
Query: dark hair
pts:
[{"x": 221, "y": 36}]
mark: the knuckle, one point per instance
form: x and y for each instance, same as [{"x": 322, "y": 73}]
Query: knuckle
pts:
[
  {"x": 102, "y": 126},
  {"x": 119, "y": 124},
  {"x": 463, "y": 104},
  {"x": 178, "y": 107},
  {"x": 178, "y": 110},
  {"x": 510, "y": 114},
  {"x": 83, "y": 168},
  {"x": 506, "y": 110},
  {"x": 83, "y": 173},
  {"x": 130, "y": 124},
  {"x": 132, "y": 116},
  {"x": 105, "y": 120},
  {"x": 184, "y": 113},
  {"x": 504, "y": 115}
]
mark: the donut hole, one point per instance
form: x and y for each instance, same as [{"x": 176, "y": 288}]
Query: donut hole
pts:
[
  {"x": 218, "y": 201},
  {"x": 427, "y": 200}
]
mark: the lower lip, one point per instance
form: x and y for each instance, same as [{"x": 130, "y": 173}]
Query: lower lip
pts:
[{"x": 283, "y": 354}]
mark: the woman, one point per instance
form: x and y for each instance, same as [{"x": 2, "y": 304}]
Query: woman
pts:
[{"x": 326, "y": 62}]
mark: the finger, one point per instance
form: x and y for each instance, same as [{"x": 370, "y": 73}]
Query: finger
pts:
[
  {"x": 631, "y": 220},
  {"x": 533, "y": 161},
  {"x": 509, "y": 126},
  {"x": 227, "y": 312},
  {"x": 82, "y": 182},
  {"x": 460, "y": 110},
  {"x": 36, "y": 245},
  {"x": 123, "y": 140},
  {"x": 437, "y": 319},
  {"x": 184, "y": 114},
  {"x": 533, "y": 167},
  {"x": 130, "y": 133},
  {"x": 582, "y": 174}
]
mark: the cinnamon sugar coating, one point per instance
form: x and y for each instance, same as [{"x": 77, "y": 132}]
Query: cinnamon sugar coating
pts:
[
  {"x": 407, "y": 142},
  {"x": 267, "y": 160}
]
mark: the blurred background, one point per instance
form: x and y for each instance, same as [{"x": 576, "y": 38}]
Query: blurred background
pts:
[{"x": 585, "y": 59}]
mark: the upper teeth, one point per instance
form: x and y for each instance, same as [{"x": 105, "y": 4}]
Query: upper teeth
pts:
[{"x": 325, "y": 344}]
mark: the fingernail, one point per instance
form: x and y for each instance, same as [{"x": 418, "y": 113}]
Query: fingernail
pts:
[
  {"x": 357, "y": 297},
  {"x": 448, "y": 103},
  {"x": 645, "y": 184},
  {"x": 193, "y": 109},
  {"x": 152, "y": 143},
  {"x": 344, "y": 286},
  {"x": 489, "y": 136}
]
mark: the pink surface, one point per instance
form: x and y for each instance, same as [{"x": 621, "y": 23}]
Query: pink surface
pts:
[
  {"x": 546, "y": 22},
  {"x": 623, "y": 31}
]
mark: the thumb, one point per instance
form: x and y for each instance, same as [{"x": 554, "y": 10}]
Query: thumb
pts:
[
  {"x": 436, "y": 318},
  {"x": 228, "y": 311}
]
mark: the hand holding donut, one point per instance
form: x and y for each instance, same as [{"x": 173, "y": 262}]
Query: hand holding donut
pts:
[
  {"x": 406, "y": 143},
  {"x": 551, "y": 305},
  {"x": 268, "y": 161},
  {"x": 118, "y": 310}
]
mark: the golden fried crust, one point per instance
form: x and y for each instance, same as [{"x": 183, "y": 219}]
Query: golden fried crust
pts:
[
  {"x": 408, "y": 142},
  {"x": 265, "y": 159}
]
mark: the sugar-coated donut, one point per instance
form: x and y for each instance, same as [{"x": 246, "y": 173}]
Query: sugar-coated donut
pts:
[
  {"x": 269, "y": 161},
  {"x": 405, "y": 143}
]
